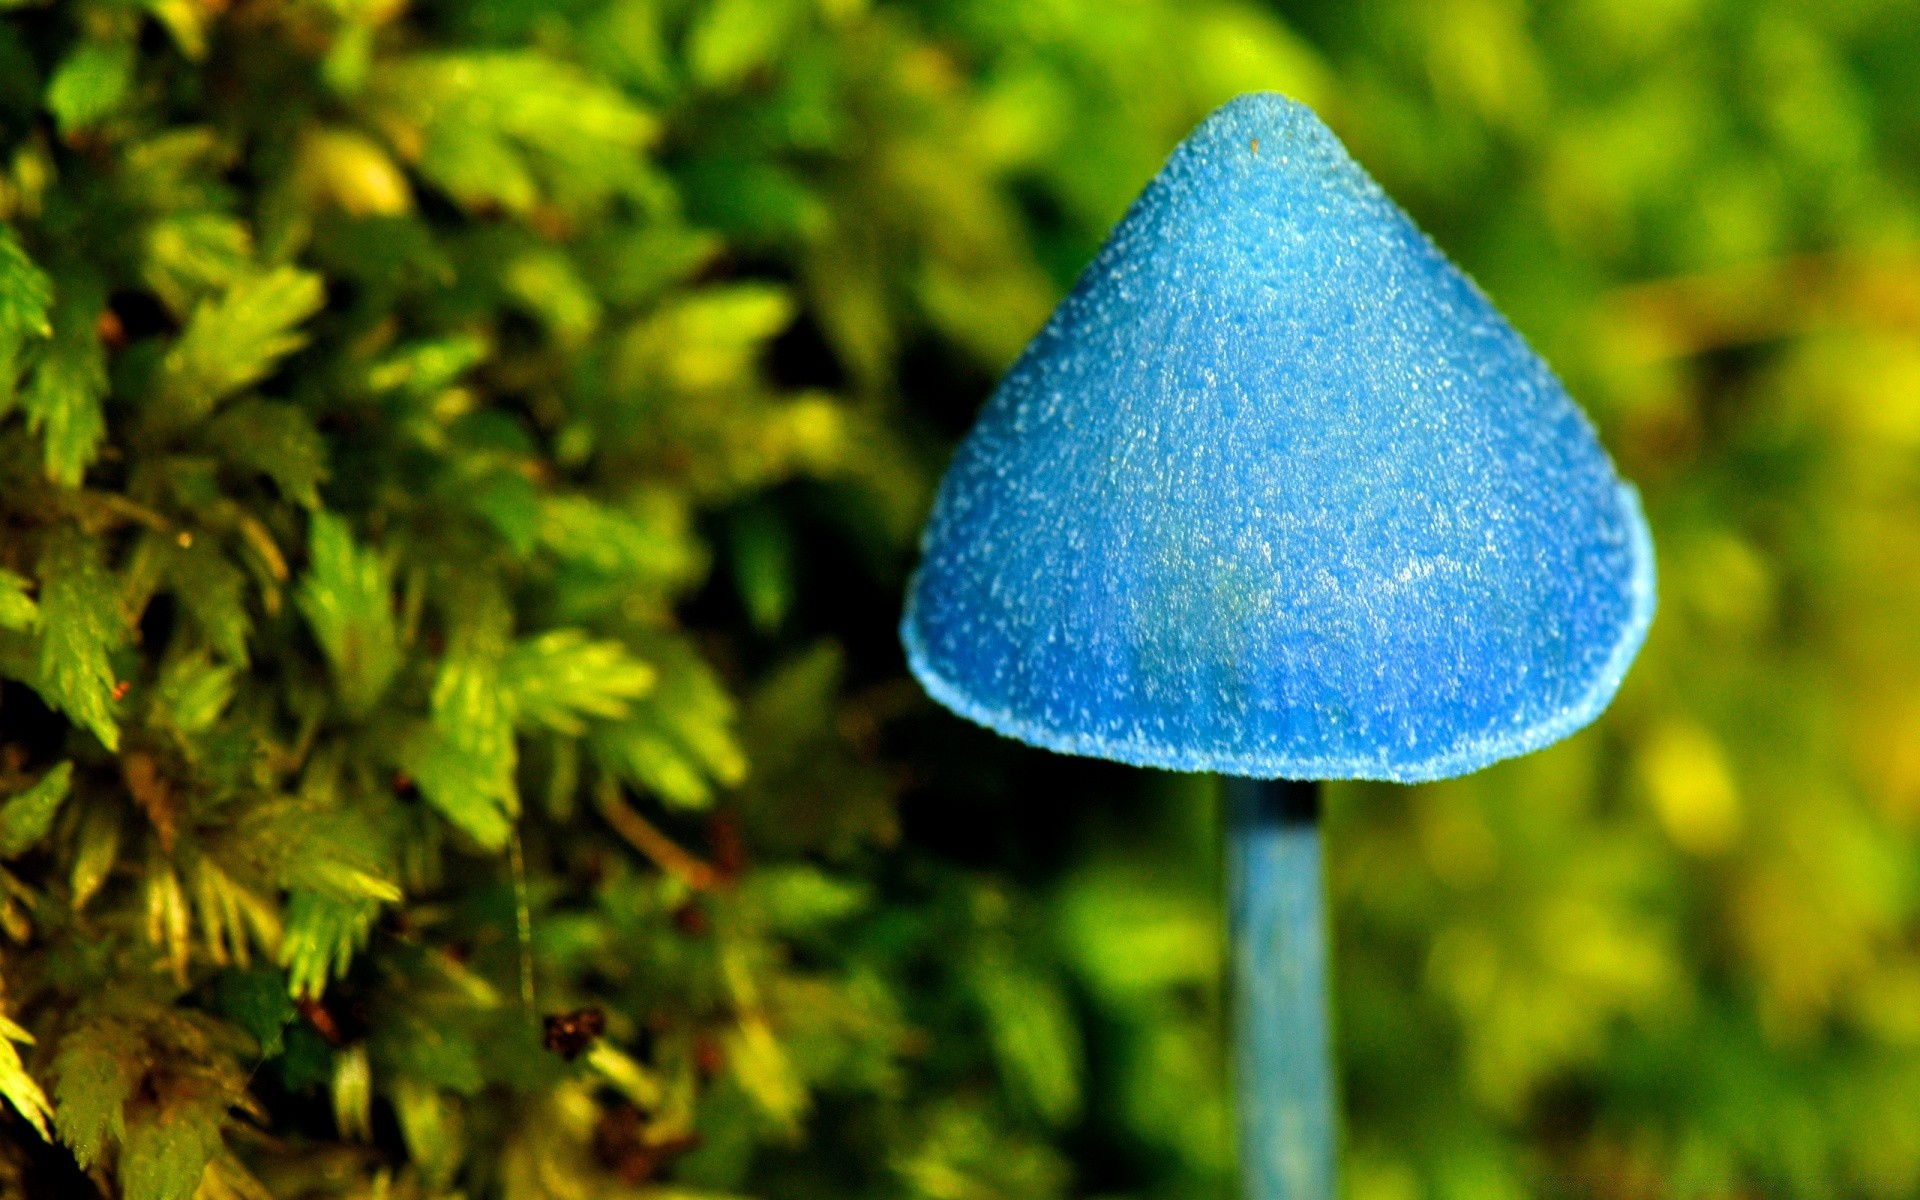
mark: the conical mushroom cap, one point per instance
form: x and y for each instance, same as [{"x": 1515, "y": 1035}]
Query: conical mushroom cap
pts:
[{"x": 1277, "y": 493}]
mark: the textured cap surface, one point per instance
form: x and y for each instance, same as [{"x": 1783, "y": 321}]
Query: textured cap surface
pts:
[{"x": 1277, "y": 493}]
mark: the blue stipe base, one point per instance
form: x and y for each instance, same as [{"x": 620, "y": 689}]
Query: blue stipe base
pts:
[
  {"x": 1283, "y": 1069},
  {"x": 1277, "y": 493}
]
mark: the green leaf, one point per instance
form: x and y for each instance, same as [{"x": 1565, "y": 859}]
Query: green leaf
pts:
[
  {"x": 26, "y": 817},
  {"x": 756, "y": 1058},
  {"x": 348, "y": 170},
  {"x": 679, "y": 740},
  {"x": 257, "y": 1001},
  {"x": 213, "y": 592},
  {"x": 431, "y": 1051},
  {"x": 192, "y": 254},
  {"x": 646, "y": 755},
  {"x": 803, "y": 899},
  {"x": 167, "y": 1148},
  {"x": 191, "y": 693},
  {"x": 348, "y": 602},
  {"x": 17, "y": 609},
  {"x": 422, "y": 368},
  {"x": 94, "y": 856},
  {"x": 1032, "y": 1032},
  {"x": 233, "y": 342},
  {"x": 763, "y": 565},
  {"x": 732, "y": 37},
  {"x": 308, "y": 1060},
  {"x": 95, "y": 1073},
  {"x": 327, "y": 848},
  {"x": 431, "y": 1125},
  {"x": 177, "y": 169},
  {"x": 227, "y": 1178},
  {"x": 186, "y": 21},
  {"x": 510, "y": 502},
  {"x": 322, "y": 935},
  {"x": 500, "y": 129},
  {"x": 548, "y": 287},
  {"x": 627, "y": 1076},
  {"x": 562, "y": 676},
  {"x": 464, "y": 760},
  {"x": 341, "y": 879},
  {"x": 277, "y": 440},
  {"x": 16, "y": 1085},
  {"x": 90, "y": 83},
  {"x": 353, "y": 1093},
  {"x": 63, "y": 398},
  {"x": 26, "y": 296},
  {"x": 651, "y": 539},
  {"x": 633, "y": 266},
  {"x": 703, "y": 340},
  {"x": 81, "y": 625}
]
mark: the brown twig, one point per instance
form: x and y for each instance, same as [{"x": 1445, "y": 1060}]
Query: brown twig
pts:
[
  {"x": 523, "y": 919},
  {"x": 648, "y": 840},
  {"x": 105, "y": 510}
]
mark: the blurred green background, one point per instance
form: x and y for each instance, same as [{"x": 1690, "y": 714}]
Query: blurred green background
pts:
[
  {"x": 1677, "y": 954},
  {"x": 750, "y": 267}
]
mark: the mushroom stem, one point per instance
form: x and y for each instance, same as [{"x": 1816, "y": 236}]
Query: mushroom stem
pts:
[{"x": 1283, "y": 1054}]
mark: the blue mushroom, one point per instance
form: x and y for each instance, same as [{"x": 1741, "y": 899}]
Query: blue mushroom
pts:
[{"x": 1277, "y": 494}]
